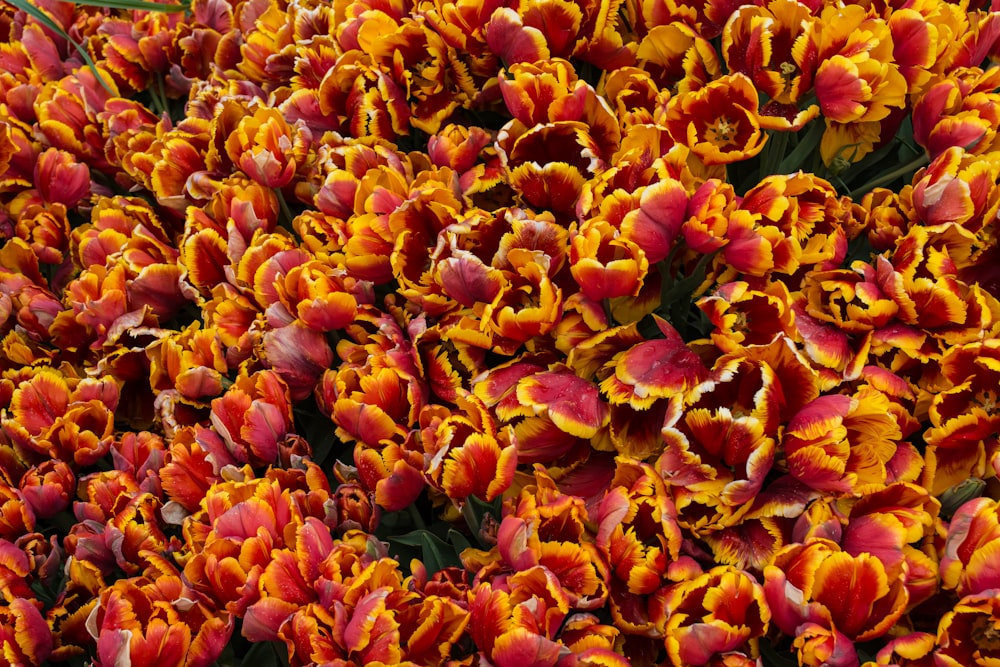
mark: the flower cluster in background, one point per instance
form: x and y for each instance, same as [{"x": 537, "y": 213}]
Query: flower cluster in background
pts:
[{"x": 576, "y": 333}]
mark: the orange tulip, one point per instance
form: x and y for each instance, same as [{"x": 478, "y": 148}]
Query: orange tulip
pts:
[
  {"x": 967, "y": 633},
  {"x": 772, "y": 44},
  {"x": 675, "y": 371},
  {"x": 718, "y": 122},
  {"x": 266, "y": 148},
  {"x": 718, "y": 614},
  {"x": 842, "y": 444},
  {"x": 842, "y": 595},
  {"x": 967, "y": 564},
  {"x": 25, "y": 637},
  {"x": 136, "y": 618}
]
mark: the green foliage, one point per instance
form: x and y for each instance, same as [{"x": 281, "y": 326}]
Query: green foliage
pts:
[
  {"x": 128, "y": 5},
  {"x": 47, "y": 21}
]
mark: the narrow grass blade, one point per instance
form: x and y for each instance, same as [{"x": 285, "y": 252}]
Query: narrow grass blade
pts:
[
  {"x": 45, "y": 20},
  {"x": 141, "y": 5}
]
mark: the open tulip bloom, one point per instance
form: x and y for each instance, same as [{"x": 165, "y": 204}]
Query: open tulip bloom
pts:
[{"x": 500, "y": 333}]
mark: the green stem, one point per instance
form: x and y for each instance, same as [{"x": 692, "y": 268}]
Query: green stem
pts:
[
  {"x": 418, "y": 520},
  {"x": 911, "y": 166},
  {"x": 156, "y": 96},
  {"x": 774, "y": 152},
  {"x": 667, "y": 280},
  {"x": 606, "y": 304},
  {"x": 286, "y": 216}
]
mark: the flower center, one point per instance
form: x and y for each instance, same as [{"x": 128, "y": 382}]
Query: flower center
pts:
[
  {"x": 722, "y": 132},
  {"x": 985, "y": 634},
  {"x": 987, "y": 400},
  {"x": 742, "y": 322}
]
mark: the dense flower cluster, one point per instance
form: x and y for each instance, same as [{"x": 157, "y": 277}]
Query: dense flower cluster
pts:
[{"x": 500, "y": 333}]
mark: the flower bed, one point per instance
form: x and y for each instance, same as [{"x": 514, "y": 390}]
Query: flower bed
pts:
[{"x": 512, "y": 334}]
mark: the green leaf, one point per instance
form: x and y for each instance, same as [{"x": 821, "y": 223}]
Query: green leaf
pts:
[
  {"x": 481, "y": 508},
  {"x": 860, "y": 248},
  {"x": 266, "y": 654},
  {"x": 320, "y": 433},
  {"x": 959, "y": 494},
  {"x": 771, "y": 657},
  {"x": 45, "y": 20},
  {"x": 137, "y": 5},
  {"x": 412, "y": 539},
  {"x": 807, "y": 146},
  {"x": 435, "y": 553},
  {"x": 474, "y": 511},
  {"x": 459, "y": 541}
]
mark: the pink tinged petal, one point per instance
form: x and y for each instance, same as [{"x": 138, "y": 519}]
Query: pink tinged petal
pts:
[
  {"x": 506, "y": 467},
  {"x": 944, "y": 201},
  {"x": 45, "y": 58},
  {"x": 840, "y": 89},
  {"x": 539, "y": 440},
  {"x": 336, "y": 196},
  {"x": 358, "y": 632},
  {"x": 479, "y": 467},
  {"x": 758, "y": 465},
  {"x": 328, "y": 312},
  {"x": 980, "y": 43},
  {"x": 824, "y": 343},
  {"x": 788, "y": 607},
  {"x": 113, "y": 647},
  {"x": 468, "y": 281},
  {"x": 697, "y": 643},
  {"x": 243, "y": 521},
  {"x": 614, "y": 506},
  {"x": 965, "y": 131},
  {"x": 660, "y": 368},
  {"x": 655, "y": 225},
  {"x": 966, "y": 532},
  {"x": 313, "y": 543},
  {"x": 38, "y": 402},
  {"x": 162, "y": 644},
  {"x": 265, "y": 427},
  {"x": 159, "y": 287},
  {"x": 815, "y": 419},
  {"x": 299, "y": 355},
  {"x": 513, "y": 540},
  {"x": 848, "y": 586},
  {"x": 497, "y": 389},
  {"x": 522, "y": 648},
  {"x": 882, "y": 536},
  {"x": 31, "y": 632},
  {"x": 227, "y": 414},
  {"x": 212, "y": 639},
  {"x": 573, "y": 404},
  {"x": 363, "y": 421},
  {"x": 283, "y": 580},
  {"x": 983, "y": 571},
  {"x": 265, "y": 617},
  {"x": 509, "y": 38},
  {"x": 199, "y": 382},
  {"x": 403, "y": 485}
]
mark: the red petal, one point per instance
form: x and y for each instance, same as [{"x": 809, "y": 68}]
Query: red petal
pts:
[
  {"x": 573, "y": 404},
  {"x": 509, "y": 38}
]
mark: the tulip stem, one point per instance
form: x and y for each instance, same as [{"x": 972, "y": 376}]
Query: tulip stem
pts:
[
  {"x": 414, "y": 513},
  {"x": 606, "y": 304},
  {"x": 911, "y": 166},
  {"x": 158, "y": 95},
  {"x": 286, "y": 216},
  {"x": 774, "y": 153}
]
